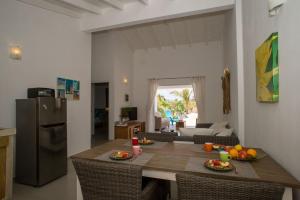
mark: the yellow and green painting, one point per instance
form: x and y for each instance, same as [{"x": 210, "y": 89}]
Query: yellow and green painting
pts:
[{"x": 267, "y": 70}]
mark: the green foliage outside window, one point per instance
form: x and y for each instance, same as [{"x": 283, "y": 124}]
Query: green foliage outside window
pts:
[{"x": 179, "y": 107}]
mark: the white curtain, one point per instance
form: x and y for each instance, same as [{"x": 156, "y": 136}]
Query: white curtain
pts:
[
  {"x": 153, "y": 85},
  {"x": 199, "y": 93}
]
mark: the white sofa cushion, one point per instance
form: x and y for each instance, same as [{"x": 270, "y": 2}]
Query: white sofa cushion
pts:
[
  {"x": 225, "y": 132},
  {"x": 219, "y": 125},
  {"x": 195, "y": 131}
]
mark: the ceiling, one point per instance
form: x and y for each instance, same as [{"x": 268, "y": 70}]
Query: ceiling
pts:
[
  {"x": 182, "y": 31},
  {"x": 164, "y": 33},
  {"x": 98, "y": 15},
  {"x": 79, "y": 8}
]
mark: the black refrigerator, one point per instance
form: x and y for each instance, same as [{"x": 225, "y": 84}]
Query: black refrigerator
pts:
[{"x": 41, "y": 140}]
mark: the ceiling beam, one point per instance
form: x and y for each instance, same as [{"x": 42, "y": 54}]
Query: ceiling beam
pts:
[
  {"x": 139, "y": 35},
  {"x": 187, "y": 32},
  {"x": 205, "y": 25},
  {"x": 145, "y": 2},
  {"x": 123, "y": 35},
  {"x": 115, "y": 4},
  {"x": 172, "y": 37},
  {"x": 156, "y": 37},
  {"x": 81, "y": 4},
  {"x": 52, "y": 7}
]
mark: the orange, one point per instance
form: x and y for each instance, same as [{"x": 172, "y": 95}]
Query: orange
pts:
[
  {"x": 234, "y": 153},
  {"x": 238, "y": 147},
  {"x": 252, "y": 152}
]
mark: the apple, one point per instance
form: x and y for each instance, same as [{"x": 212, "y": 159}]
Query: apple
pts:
[
  {"x": 216, "y": 163},
  {"x": 242, "y": 154}
]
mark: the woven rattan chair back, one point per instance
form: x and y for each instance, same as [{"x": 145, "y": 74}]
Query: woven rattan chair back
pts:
[
  {"x": 108, "y": 181},
  {"x": 225, "y": 140},
  {"x": 203, "y": 188}
]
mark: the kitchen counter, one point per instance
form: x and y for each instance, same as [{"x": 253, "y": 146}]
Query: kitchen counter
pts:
[{"x": 7, "y": 131}]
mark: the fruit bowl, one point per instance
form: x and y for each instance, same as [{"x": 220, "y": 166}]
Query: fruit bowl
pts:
[
  {"x": 248, "y": 158},
  {"x": 218, "y": 165},
  {"x": 242, "y": 154},
  {"x": 120, "y": 155}
]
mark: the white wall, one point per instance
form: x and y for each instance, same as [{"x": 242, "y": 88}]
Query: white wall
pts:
[
  {"x": 204, "y": 59},
  {"x": 103, "y": 69},
  {"x": 230, "y": 61},
  {"x": 111, "y": 62},
  {"x": 123, "y": 65},
  {"x": 274, "y": 127},
  {"x": 52, "y": 46}
]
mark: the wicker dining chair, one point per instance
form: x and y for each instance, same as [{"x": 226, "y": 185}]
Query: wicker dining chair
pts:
[
  {"x": 161, "y": 137},
  {"x": 113, "y": 181},
  {"x": 192, "y": 187},
  {"x": 225, "y": 140}
]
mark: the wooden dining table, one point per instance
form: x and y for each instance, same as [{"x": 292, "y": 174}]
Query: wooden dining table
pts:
[{"x": 167, "y": 159}]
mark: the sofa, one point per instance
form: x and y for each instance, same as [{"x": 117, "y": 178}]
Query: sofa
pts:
[
  {"x": 225, "y": 140},
  {"x": 201, "y": 139}
]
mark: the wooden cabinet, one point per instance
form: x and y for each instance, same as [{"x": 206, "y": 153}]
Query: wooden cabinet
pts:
[
  {"x": 6, "y": 163},
  {"x": 4, "y": 141},
  {"x": 127, "y": 131}
]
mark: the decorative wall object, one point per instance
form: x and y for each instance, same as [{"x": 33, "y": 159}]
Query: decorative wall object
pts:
[
  {"x": 67, "y": 88},
  {"x": 274, "y": 6},
  {"x": 267, "y": 70},
  {"x": 226, "y": 91}
]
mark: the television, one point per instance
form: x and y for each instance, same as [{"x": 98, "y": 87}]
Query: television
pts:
[{"x": 129, "y": 112}]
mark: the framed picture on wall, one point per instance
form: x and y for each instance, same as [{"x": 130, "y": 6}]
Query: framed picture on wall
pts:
[
  {"x": 267, "y": 70},
  {"x": 67, "y": 88}
]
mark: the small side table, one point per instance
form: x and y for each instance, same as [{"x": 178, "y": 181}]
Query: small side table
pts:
[{"x": 180, "y": 124}]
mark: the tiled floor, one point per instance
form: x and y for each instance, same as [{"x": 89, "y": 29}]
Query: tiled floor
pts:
[{"x": 63, "y": 188}]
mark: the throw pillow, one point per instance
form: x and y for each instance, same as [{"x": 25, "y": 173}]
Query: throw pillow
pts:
[{"x": 219, "y": 125}]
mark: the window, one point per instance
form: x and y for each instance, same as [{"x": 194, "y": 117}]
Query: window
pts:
[{"x": 177, "y": 103}]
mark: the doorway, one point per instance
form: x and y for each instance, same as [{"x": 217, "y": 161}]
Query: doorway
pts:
[{"x": 100, "y": 113}]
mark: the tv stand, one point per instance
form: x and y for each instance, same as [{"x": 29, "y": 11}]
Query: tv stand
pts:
[{"x": 127, "y": 131}]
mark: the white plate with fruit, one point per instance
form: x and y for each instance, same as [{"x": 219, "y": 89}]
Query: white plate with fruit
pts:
[
  {"x": 218, "y": 165},
  {"x": 144, "y": 141},
  {"x": 120, "y": 155}
]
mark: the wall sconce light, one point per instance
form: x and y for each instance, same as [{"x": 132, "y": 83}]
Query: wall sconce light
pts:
[
  {"x": 15, "y": 53},
  {"x": 125, "y": 80},
  {"x": 274, "y": 6}
]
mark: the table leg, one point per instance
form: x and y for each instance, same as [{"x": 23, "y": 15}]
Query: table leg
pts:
[
  {"x": 288, "y": 194},
  {"x": 79, "y": 193},
  {"x": 171, "y": 176}
]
